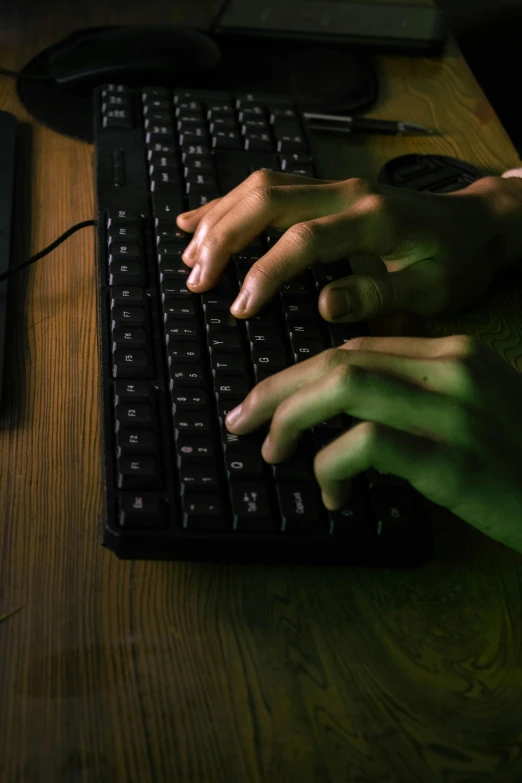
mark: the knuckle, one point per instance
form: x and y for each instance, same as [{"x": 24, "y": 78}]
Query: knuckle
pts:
[
  {"x": 375, "y": 204},
  {"x": 261, "y": 178},
  {"x": 357, "y": 344},
  {"x": 461, "y": 345},
  {"x": 261, "y": 195},
  {"x": 281, "y": 415},
  {"x": 210, "y": 241},
  {"x": 359, "y": 186},
  {"x": 262, "y": 272},
  {"x": 303, "y": 233},
  {"x": 331, "y": 358},
  {"x": 371, "y": 435}
]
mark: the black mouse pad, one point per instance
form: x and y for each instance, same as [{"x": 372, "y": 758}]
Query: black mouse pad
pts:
[{"x": 315, "y": 76}]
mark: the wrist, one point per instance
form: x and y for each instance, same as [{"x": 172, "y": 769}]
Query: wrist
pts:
[{"x": 502, "y": 202}]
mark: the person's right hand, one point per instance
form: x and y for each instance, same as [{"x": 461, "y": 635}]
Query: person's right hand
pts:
[{"x": 440, "y": 251}]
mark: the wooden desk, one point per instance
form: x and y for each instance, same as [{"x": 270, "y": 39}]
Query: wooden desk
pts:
[{"x": 119, "y": 672}]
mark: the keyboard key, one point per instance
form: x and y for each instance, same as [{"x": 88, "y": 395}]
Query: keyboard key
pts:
[
  {"x": 194, "y": 449},
  {"x": 227, "y": 140},
  {"x": 200, "y": 478},
  {"x": 204, "y": 513},
  {"x": 298, "y": 467},
  {"x": 299, "y": 509},
  {"x": 181, "y": 375},
  {"x": 174, "y": 289},
  {"x": 191, "y": 422},
  {"x": 259, "y": 141},
  {"x": 117, "y": 118},
  {"x": 124, "y": 233},
  {"x": 244, "y": 465},
  {"x": 225, "y": 364},
  {"x": 290, "y": 143},
  {"x": 200, "y": 198},
  {"x": 160, "y": 147},
  {"x": 136, "y": 440},
  {"x": 132, "y": 363},
  {"x": 130, "y": 273},
  {"x": 179, "y": 308},
  {"x": 181, "y": 330},
  {"x": 166, "y": 231},
  {"x": 351, "y": 521},
  {"x": 167, "y": 206},
  {"x": 269, "y": 359},
  {"x": 152, "y": 118},
  {"x": 171, "y": 251},
  {"x": 233, "y": 386},
  {"x": 133, "y": 392},
  {"x": 198, "y": 166},
  {"x": 117, "y": 217},
  {"x": 192, "y": 152},
  {"x": 141, "y": 511},
  {"x": 129, "y": 337},
  {"x": 189, "y": 400},
  {"x": 138, "y": 473},
  {"x": 250, "y": 507},
  {"x": 128, "y": 316},
  {"x": 304, "y": 349},
  {"x": 165, "y": 181},
  {"x": 224, "y": 341},
  {"x": 125, "y": 295},
  {"x": 124, "y": 250},
  {"x": 135, "y": 414},
  {"x": 186, "y": 353},
  {"x": 394, "y": 512}
]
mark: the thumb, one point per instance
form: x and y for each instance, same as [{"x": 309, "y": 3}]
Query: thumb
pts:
[{"x": 360, "y": 297}]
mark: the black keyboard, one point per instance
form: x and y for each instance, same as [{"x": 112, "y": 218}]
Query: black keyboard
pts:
[
  {"x": 7, "y": 163},
  {"x": 178, "y": 484}
]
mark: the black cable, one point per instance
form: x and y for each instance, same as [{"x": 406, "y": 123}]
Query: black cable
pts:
[
  {"x": 47, "y": 249},
  {"x": 20, "y": 75}
]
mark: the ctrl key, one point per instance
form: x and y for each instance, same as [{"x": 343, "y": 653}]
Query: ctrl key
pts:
[{"x": 141, "y": 510}]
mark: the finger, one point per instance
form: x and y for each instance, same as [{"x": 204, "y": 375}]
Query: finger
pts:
[
  {"x": 278, "y": 206},
  {"x": 417, "y": 289},
  {"x": 434, "y": 469},
  {"x": 189, "y": 221},
  {"x": 263, "y": 179},
  {"x": 411, "y": 359},
  {"x": 322, "y": 239},
  {"x": 366, "y": 394}
]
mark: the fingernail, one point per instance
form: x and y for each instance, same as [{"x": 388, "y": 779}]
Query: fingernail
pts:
[
  {"x": 339, "y": 303},
  {"x": 193, "y": 278},
  {"x": 190, "y": 250},
  {"x": 240, "y": 304},
  {"x": 233, "y": 416},
  {"x": 186, "y": 214}
]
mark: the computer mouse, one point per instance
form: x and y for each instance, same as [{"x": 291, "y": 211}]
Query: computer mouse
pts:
[
  {"x": 131, "y": 54},
  {"x": 431, "y": 173}
]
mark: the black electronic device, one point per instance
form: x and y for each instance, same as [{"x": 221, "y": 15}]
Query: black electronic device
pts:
[
  {"x": 178, "y": 484},
  {"x": 428, "y": 173},
  {"x": 131, "y": 52},
  {"x": 8, "y": 127},
  {"x": 384, "y": 26}
]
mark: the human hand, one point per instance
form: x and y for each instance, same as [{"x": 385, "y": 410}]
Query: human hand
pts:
[
  {"x": 445, "y": 414},
  {"x": 440, "y": 251}
]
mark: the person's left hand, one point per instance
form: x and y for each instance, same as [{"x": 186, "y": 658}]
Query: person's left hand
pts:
[{"x": 444, "y": 414}]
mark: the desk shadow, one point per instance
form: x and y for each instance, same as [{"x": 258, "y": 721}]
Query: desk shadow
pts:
[{"x": 13, "y": 401}]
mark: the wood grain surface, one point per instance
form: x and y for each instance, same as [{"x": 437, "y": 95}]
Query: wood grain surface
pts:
[{"x": 120, "y": 672}]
